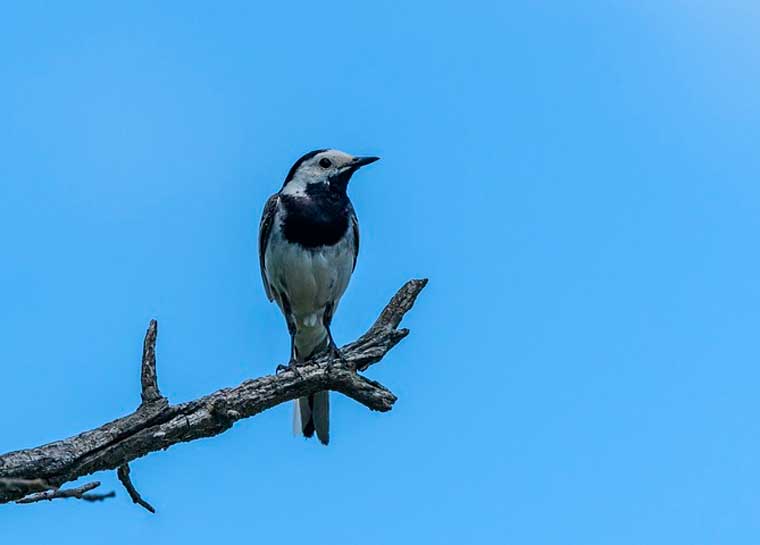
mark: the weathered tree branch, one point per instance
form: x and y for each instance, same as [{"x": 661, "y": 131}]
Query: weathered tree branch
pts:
[
  {"x": 79, "y": 493},
  {"x": 157, "y": 425}
]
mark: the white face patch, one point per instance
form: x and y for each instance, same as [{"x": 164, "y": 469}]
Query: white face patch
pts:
[{"x": 316, "y": 170}]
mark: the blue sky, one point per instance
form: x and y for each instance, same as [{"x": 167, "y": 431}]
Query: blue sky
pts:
[{"x": 579, "y": 182}]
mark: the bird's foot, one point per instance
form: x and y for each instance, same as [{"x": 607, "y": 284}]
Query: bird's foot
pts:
[
  {"x": 291, "y": 366},
  {"x": 337, "y": 358}
]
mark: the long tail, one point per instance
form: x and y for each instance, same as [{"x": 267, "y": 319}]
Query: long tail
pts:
[{"x": 312, "y": 414}]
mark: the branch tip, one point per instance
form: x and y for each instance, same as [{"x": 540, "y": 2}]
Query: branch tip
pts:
[
  {"x": 400, "y": 304},
  {"x": 123, "y": 474},
  {"x": 148, "y": 378}
]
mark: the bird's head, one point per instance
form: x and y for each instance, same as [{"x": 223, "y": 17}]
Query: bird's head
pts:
[{"x": 328, "y": 168}]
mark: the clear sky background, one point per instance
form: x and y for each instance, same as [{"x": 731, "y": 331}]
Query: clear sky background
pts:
[{"x": 578, "y": 180}]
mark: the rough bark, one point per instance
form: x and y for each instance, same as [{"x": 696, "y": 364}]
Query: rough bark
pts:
[{"x": 157, "y": 425}]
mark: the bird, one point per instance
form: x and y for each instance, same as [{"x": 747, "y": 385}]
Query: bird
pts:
[{"x": 308, "y": 247}]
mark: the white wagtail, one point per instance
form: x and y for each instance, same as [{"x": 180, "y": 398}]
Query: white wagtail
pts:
[{"x": 308, "y": 244}]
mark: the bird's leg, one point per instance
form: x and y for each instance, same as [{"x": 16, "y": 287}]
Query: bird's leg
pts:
[
  {"x": 332, "y": 348},
  {"x": 334, "y": 351},
  {"x": 293, "y": 363}
]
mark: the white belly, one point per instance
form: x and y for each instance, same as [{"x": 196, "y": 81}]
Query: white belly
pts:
[{"x": 310, "y": 278}]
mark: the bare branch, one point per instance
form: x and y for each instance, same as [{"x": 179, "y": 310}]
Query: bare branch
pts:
[
  {"x": 157, "y": 425},
  {"x": 400, "y": 304},
  {"x": 79, "y": 493},
  {"x": 123, "y": 474},
  {"x": 148, "y": 378}
]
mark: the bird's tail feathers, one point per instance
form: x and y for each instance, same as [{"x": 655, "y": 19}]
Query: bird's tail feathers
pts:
[{"x": 312, "y": 414}]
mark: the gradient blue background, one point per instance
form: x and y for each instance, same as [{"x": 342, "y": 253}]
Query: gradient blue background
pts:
[{"x": 579, "y": 181}]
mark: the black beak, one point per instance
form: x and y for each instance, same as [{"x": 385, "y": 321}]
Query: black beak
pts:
[
  {"x": 359, "y": 162},
  {"x": 340, "y": 179}
]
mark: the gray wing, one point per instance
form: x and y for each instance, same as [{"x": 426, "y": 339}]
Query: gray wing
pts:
[
  {"x": 265, "y": 228},
  {"x": 355, "y": 227}
]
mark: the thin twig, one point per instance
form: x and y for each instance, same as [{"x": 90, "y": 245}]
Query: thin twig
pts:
[
  {"x": 123, "y": 474},
  {"x": 79, "y": 493},
  {"x": 98, "y": 497}
]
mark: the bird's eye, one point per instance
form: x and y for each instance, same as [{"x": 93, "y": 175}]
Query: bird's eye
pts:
[{"x": 325, "y": 162}]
